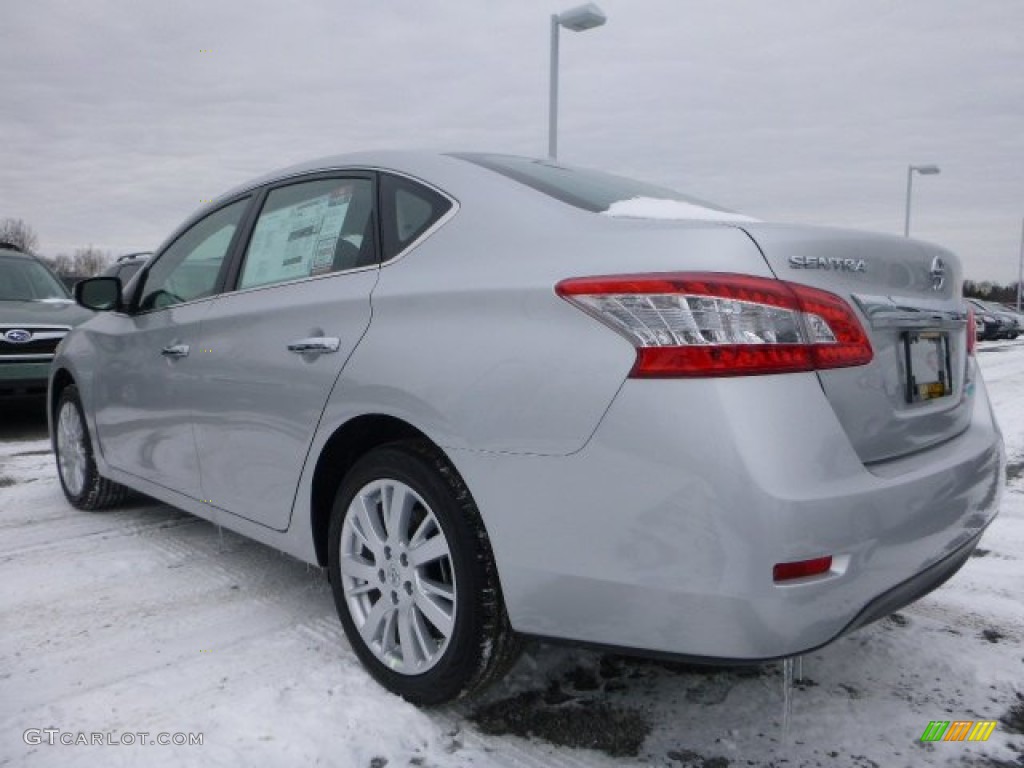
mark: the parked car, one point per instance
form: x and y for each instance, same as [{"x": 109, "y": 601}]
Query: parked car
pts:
[
  {"x": 999, "y": 323},
  {"x": 127, "y": 266},
  {"x": 36, "y": 312},
  {"x": 991, "y": 325},
  {"x": 496, "y": 396},
  {"x": 70, "y": 280},
  {"x": 1018, "y": 317},
  {"x": 1008, "y": 318}
]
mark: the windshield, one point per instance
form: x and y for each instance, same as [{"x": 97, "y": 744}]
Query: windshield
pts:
[
  {"x": 24, "y": 279},
  {"x": 584, "y": 188}
]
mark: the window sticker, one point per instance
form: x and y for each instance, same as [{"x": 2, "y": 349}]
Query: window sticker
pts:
[{"x": 298, "y": 240}]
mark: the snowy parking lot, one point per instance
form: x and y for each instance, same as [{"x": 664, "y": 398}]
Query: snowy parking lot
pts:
[{"x": 144, "y": 625}]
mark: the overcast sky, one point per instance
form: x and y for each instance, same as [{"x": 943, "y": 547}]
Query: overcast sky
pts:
[{"x": 117, "y": 117}]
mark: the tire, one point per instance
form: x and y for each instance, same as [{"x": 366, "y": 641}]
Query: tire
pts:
[
  {"x": 418, "y": 596},
  {"x": 76, "y": 467}
]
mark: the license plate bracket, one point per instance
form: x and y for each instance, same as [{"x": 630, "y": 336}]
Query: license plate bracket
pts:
[{"x": 928, "y": 369}]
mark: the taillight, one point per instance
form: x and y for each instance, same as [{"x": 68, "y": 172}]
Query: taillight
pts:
[
  {"x": 972, "y": 332},
  {"x": 718, "y": 324}
]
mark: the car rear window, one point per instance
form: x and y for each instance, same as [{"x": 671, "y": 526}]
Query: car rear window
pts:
[{"x": 584, "y": 188}]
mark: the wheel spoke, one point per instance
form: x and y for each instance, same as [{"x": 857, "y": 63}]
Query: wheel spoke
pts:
[
  {"x": 436, "y": 615},
  {"x": 398, "y": 501},
  {"x": 422, "y": 530},
  {"x": 412, "y": 652},
  {"x": 389, "y": 644},
  {"x": 430, "y": 550},
  {"x": 430, "y": 587},
  {"x": 369, "y": 522},
  {"x": 423, "y": 637},
  {"x": 376, "y": 620},
  {"x": 357, "y": 569},
  {"x": 361, "y": 589}
]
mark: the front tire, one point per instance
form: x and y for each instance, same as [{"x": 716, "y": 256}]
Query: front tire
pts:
[
  {"x": 76, "y": 467},
  {"x": 414, "y": 579}
]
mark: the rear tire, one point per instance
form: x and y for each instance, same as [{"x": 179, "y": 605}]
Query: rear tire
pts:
[
  {"x": 76, "y": 467},
  {"x": 413, "y": 577}
]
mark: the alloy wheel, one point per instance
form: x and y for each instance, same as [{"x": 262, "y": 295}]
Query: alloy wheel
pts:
[
  {"x": 71, "y": 455},
  {"x": 397, "y": 576}
]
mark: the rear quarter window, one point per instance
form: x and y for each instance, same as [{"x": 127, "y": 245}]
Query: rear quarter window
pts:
[{"x": 408, "y": 210}]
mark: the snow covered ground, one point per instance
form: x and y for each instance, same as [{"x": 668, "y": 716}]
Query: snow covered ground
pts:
[{"x": 144, "y": 619}]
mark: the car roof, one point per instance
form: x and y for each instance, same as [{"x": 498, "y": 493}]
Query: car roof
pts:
[
  {"x": 16, "y": 254},
  {"x": 140, "y": 256},
  {"x": 450, "y": 174},
  {"x": 414, "y": 162}
]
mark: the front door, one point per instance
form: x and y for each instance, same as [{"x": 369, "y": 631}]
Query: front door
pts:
[{"x": 143, "y": 398}]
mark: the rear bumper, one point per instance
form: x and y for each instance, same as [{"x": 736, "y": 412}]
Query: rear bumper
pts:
[
  {"x": 914, "y": 588},
  {"x": 660, "y": 535}
]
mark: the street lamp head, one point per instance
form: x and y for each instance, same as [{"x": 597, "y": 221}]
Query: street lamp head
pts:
[
  {"x": 925, "y": 170},
  {"x": 582, "y": 17}
]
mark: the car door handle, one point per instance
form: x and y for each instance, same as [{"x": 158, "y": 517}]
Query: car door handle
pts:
[
  {"x": 316, "y": 344},
  {"x": 175, "y": 350}
]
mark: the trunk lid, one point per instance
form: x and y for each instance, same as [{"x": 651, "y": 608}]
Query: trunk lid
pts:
[{"x": 907, "y": 295}]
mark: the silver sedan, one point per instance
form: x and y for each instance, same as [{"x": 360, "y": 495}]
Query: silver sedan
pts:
[{"x": 499, "y": 397}]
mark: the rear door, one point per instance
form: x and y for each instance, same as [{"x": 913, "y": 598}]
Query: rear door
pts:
[
  {"x": 915, "y": 392},
  {"x": 272, "y": 349}
]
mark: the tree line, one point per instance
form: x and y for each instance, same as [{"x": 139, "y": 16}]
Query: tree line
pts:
[
  {"x": 84, "y": 262},
  {"x": 989, "y": 291}
]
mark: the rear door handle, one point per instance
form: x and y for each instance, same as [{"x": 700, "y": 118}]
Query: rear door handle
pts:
[
  {"x": 175, "y": 350},
  {"x": 318, "y": 344}
]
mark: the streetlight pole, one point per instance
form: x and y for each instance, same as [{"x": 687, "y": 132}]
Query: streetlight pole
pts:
[
  {"x": 553, "y": 92},
  {"x": 577, "y": 19},
  {"x": 1020, "y": 264},
  {"x": 924, "y": 170}
]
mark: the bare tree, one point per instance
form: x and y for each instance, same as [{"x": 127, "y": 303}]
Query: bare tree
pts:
[
  {"x": 62, "y": 264},
  {"x": 17, "y": 232},
  {"x": 89, "y": 261}
]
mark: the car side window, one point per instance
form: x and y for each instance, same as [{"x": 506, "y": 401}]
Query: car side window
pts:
[
  {"x": 408, "y": 209},
  {"x": 189, "y": 268},
  {"x": 311, "y": 228}
]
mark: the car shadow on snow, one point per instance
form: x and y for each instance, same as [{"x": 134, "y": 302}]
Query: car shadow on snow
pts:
[
  {"x": 596, "y": 702},
  {"x": 23, "y": 419}
]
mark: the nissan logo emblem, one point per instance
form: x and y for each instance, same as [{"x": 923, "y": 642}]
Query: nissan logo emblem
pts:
[{"x": 938, "y": 273}]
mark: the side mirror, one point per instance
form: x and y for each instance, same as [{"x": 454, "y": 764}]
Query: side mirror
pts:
[{"x": 99, "y": 293}]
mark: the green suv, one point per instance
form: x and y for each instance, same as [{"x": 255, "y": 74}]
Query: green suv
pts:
[{"x": 35, "y": 314}]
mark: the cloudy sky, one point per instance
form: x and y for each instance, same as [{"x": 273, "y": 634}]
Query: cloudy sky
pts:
[{"x": 117, "y": 117}]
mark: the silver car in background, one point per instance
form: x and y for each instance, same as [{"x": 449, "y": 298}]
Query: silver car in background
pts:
[{"x": 500, "y": 397}]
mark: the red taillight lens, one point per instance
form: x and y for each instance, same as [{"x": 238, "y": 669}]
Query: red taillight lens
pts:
[
  {"x": 972, "y": 332},
  {"x": 711, "y": 324},
  {"x": 801, "y": 569}
]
